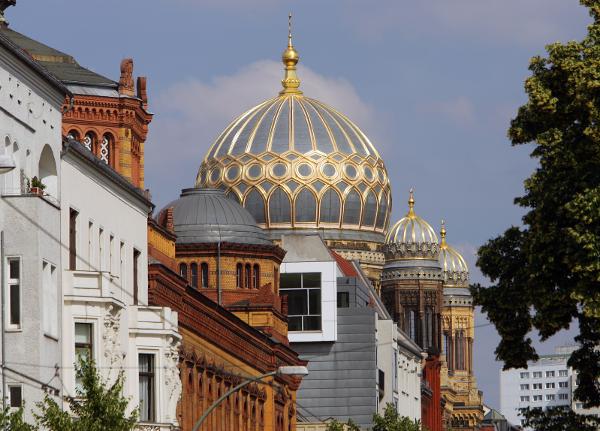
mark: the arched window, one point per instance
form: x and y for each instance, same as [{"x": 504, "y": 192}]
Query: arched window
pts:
[
  {"x": 47, "y": 171},
  {"x": 73, "y": 134},
  {"x": 276, "y": 280},
  {"x": 279, "y": 207},
  {"x": 194, "y": 273},
  {"x": 89, "y": 141},
  {"x": 370, "y": 210},
  {"x": 106, "y": 149},
  {"x": 256, "y": 276},
  {"x": 248, "y": 277},
  {"x": 239, "y": 275},
  {"x": 305, "y": 207},
  {"x": 255, "y": 204},
  {"x": 382, "y": 212},
  {"x": 352, "y": 208},
  {"x": 183, "y": 270},
  {"x": 204, "y": 273},
  {"x": 330, "y": 207}
]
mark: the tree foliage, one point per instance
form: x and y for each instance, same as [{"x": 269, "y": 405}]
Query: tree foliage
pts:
[
  {"x": 97, "y": 407},
  {"x": 390, "y": 421},
  {"x": 547, "y": 273},
  {"x": 559, "y": 419}
]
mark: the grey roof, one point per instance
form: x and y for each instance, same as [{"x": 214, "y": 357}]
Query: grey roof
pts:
[
  {"x": 203, "y": 215},
  {"x": 305, "y": 248},
  {"x": 60, "y": 65}
]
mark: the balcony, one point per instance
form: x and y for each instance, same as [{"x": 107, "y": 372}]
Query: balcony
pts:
[{"x": 91, "y": 284}]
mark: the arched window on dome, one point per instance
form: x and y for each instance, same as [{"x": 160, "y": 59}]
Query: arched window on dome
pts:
[
  {"x": 330, "y": 207},
  {"x": 352, "y": 208},
  {"x": 194, "y": 274},
  {"x": 370, "y": 210},
  {"x": 255, "y": 204},
  {"x": 106, "y": 148},
  {"x": 234, "y": 197},
  {"x": 382, "y": 211},
  {"x": 305, "y": 207},
  {"x": 239, "y": 275},
  {"x": 279, "y": 207}
]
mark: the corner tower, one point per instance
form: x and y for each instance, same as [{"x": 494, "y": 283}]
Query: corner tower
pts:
[{"x": 298, "y": 165}]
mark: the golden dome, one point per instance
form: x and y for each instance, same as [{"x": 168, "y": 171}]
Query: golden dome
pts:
[
  {"x": 411, "y": 228},
  {"x": 295, "y": 162},
  {"x": 454, "y": 266}
]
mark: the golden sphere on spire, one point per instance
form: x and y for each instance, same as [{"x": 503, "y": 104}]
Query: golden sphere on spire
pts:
[{"x": 290, "y": 59}]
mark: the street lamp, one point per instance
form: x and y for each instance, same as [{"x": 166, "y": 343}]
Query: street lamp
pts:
[
  {"x": 281, "y": 371},
  {"x": 7, "y": 163}
]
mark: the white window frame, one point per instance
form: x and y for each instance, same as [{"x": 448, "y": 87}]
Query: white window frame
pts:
[
  {"x": 11, "y": 327},
  {"x": 94, "y": 341},
  {"x": 157, "y": 380},
  {"x": 8, "y": 397},
  {"x": 49, "y": 301}
]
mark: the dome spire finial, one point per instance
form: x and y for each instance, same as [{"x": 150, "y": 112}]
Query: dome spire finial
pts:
[
  {"x": 443, "y": 233},
  {"x": 411, "y": 203},
  {"x": 290, "y": 59}
]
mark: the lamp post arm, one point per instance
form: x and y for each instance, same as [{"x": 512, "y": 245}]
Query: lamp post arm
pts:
[{"x": 228, "y": 393}]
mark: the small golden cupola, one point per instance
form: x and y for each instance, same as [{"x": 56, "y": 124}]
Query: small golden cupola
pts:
[
  {"x": 454, "y": 267},
  {"x": 412, "y": 237}
]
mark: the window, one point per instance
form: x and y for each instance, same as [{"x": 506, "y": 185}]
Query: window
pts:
[
  {"x": 578, "y": 405},
  {"x": 122, "y": 264},
  {"x": 304, "y": 300},
  {"x": 73, "y": 239},
  {"x": 525, "y": 387},
  {"x": 239, "y": 276},
  {"x": 550, "y": 385},
  {"x": 50, "y": 299},
  {"x": 14, "y": 292},
  {"x": 136, "y": 275},
  {"x": 194, "y": 274},
  {"x": 563, "y": 384},
  {"x": 537, "y": 386},
  {"x": 537, "y": 374},
  {"x": 343, "y": 299},
  {"x": 256, "y": 276},
  {"x": 91, "y": 256},
  {"x": 111, "y": 252},
  {"x": 105, "y": 148},
  {"x": 101, "y": 266},
  {"x": 549, "y": 397},
  {"x": 15, "y": 394},
  {"x": 248, "y": 277},
  {"x": 146, "y": 378},
  {"x": 183, "y": 270},
  {"x": 562, "y": 373},
  {"x": 204, "y": 274},
  {"x": 524, "y": 375},
  {"x": 549, "y": 373},
  {"x": 563, "y": 396},
  {"x": 537, "y": 398},
  {"x": 83, "y": 344},
  {"x": 524, "y": 398}
]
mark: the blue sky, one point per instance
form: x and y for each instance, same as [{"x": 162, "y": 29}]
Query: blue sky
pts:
[{"x": 433, "y": 83}]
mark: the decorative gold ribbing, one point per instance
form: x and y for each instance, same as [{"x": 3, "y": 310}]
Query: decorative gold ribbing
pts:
[{"x": 290, "y": 59}]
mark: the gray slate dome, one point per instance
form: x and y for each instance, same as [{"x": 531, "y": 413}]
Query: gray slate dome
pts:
[{"x": 202, "y": 215}]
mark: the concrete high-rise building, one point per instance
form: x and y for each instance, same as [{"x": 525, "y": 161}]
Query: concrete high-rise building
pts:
[{"x": 544, "y": 383}]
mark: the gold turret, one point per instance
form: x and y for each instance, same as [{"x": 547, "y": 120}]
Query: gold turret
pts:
[
  {"x": 290, "y": 59},
  {"x": 411, "y": 204},
  {"x": 443, "y": 235}
]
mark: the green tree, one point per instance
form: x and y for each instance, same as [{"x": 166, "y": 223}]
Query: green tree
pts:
[
  {"x": 97, "y": 407},
  {"x": 12, "y": 420},
  {"x": 392, "y": 421},
  {"x": 559, "y": 419},
  {"x": 546, "y": 273},
  {"x": 335, "y": 425}
]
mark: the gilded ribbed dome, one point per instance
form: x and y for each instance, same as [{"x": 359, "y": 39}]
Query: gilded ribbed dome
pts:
[
  {"x": 454, "y": 267},
  {"x": 411, "y": 228},
  {"x": 294, "y": 162}
]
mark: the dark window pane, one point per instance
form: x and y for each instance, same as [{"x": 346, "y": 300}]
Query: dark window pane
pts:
[
  {"x": 314, "y": 301},
  {"x": 382, "y": 211},
  {"x": 279, "y": 207},
  {"x": 312, "y": 323},
  {"x": 311, "y": 279},
  {"x": 183, "y": 270},
  {"x": 14, "y": 268},
  {"x": 194, "y": 271},
  {"x": 146, "y": 387},
  {"x": 295, "y": 323},
  {"x": 343, "y": 299},
  {"x": 255, "y": 204},
  {"x": 16, "y": 396},
  {"x": 352, "y": 208},
  {"x": 297, "y": 302},
  {"x": 370, "y": 210},
  {"x": 15, "y": 304},
  {"x": 330, "y": 207},
  {"x": 306, "y": 207},
  {"x": 290, "y": 281}
]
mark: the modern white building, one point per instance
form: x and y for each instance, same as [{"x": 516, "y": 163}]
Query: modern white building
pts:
[
  {"x": 105, "y": 288},
  {"x": 544, "y": 383},
  {"x": 30, "y": 134}
]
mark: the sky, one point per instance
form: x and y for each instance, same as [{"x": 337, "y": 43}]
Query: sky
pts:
[{"x": 433, "y": 83}]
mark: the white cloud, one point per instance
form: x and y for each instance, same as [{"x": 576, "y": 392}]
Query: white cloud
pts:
[
  {"x": 189, "y": 115},
  {"x": 521, "y": 22},
  {"x": 459, "y": 110}
]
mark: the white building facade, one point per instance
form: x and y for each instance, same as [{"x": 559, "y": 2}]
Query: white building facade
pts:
[
  {"x": 30, "y": 133},
  {"x": 105, "y": 288},
  {"x": 545, "y": 383}
]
